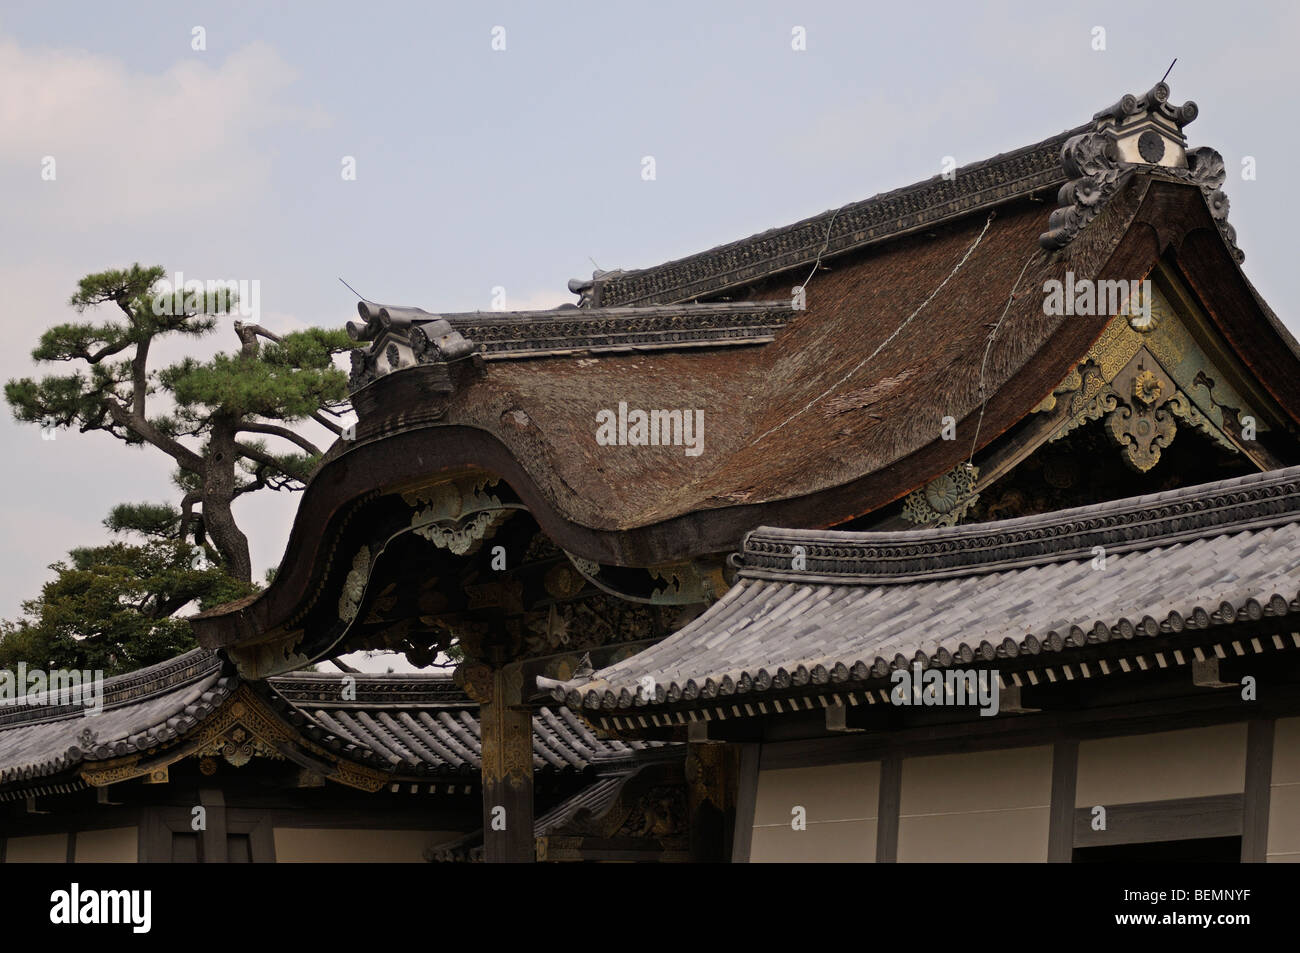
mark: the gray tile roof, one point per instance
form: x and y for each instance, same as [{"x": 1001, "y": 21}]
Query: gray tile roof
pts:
[
  {"x": 868, "y": 603},
  {"x": 142, "y": 709},
  {"x": 407, "y": 724},
  {"x": 439, "y": 735}
]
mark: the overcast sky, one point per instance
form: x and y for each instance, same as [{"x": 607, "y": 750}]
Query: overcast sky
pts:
[{"x": 519, "y": 167}]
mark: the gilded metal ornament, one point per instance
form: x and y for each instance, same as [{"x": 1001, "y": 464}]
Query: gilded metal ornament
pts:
[{"x": 944, "y": 500}]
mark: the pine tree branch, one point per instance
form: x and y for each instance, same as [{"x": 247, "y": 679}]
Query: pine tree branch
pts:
[
  {"x": 264, "y": 458},
  {"x": 284, "y": 432},
  {"x": 327, "y": 424},
  {"x": 142, "y": 428}
]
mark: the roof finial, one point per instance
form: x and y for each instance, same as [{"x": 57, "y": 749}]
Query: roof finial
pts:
[{"x": 1168, "y": 71}]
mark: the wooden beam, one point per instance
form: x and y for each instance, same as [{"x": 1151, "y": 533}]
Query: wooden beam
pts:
[
  {"x": 887, "y": 808},
  {"x": 1189, "y": 818},
  {"x": 975, "y": 734},
  {"x": 1258, "y": 791},
  {"x": 1065, "y": 773},
  {"x": 746, "y": 802}
]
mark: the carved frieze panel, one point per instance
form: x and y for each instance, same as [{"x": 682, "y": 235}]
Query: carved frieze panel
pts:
[
  {"x": 238, "y": 747},
  {"x": 457, "y": 516}
]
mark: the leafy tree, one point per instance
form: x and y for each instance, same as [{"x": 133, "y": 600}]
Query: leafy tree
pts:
[
  {"x": 218, "y": 413},
  {"x": 114, "y": 607}
]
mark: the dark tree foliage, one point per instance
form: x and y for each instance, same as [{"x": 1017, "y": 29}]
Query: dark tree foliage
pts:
[{"x": 114, "y": 607}]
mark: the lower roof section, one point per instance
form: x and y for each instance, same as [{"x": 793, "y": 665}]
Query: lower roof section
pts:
[
  {"x": 825, "y": 608},
  {"x": 404, "y": 727}
]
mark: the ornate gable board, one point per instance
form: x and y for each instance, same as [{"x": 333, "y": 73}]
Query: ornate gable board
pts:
[
  {"x": 243, "y": 728},
  {"x": 1138, "y": 132},
  {"x": 1147, "y": 380},
  {"x": 1155, "y": 375}
]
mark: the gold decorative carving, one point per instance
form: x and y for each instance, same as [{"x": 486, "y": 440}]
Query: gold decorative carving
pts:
[
  {"x": 354, "y": 586},
  {"x": 506, "y": 728},
  {"x": 659, "y": 812},
  {"x": 238, "y": 747},
  {"x": 1115, "y": 348},
  {"x": 563, "y": 581},
  {"x": 458, "y": 516},
  {"x": 1147, "y": 387},
  {"x": 475, "y": 680},
  {"x": 241, "y": 729},
  {"x": 1181, "y": 406},
  {"x": 358, "y": 776},
  {"x": 944, "y": 500},
  {"x": 1142, "y": 431}
]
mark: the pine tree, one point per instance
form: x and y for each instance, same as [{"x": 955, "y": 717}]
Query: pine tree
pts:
[
  {"x": 114, "y": 607},
  {"x": 218, "y": 413}
]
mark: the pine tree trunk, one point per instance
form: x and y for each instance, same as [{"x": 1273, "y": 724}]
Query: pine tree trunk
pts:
[{"x": 218, "y": 494}]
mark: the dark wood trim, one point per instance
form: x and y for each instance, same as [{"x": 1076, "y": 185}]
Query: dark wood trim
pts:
[
  {"x": 746, "y": 802},
  {"x": 261, "y": 832},
  {"x": 1257, "y": 792},
  {"x": 155, "y": 845},
  {"x": 1065, "y": 773},
  {"x": 1189, "y": 818},
  {"x": 164, "y": 821},
  {"x": 1015, "y": 731},
  {"x": 143, "y": 836},
  {"x": 888, "y": 807},
  {"x": 214, "y": 826}
]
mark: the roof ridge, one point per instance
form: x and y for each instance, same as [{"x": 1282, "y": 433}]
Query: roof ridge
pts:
[
  {"x": 889, "y": 214},
  {"x": 1114, "y": 526},
  {"x": 394, "y": 689},
  {"x": 117, "y": 690}
]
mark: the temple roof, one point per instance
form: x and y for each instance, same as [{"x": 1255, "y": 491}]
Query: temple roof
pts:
[
  {"x": 410, "y": 726},
  {"x": 154, "y": 705},
  {"x": 861, "y": 605},
  {"x": 918, "y": 305}
]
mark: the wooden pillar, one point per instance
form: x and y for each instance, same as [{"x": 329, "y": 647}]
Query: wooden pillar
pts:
[
  {"x": 888, "y": 808},
  {"x": 746, "y": 802},
  {"x": 1060, "y": 825},
  {"x": 1258, "y": 790},
  {"x": 507, "y": 730},
  {"x": 711, "y": 771}
]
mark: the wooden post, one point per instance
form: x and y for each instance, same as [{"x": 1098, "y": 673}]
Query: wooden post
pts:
[
  {"x": 1258, "y": 790},
  {"x": 711, "y": 771},
  {"x": 507, "y": 729},
  {"x": 1060, "y": 824},
  {"x": 888, "y": 805}
]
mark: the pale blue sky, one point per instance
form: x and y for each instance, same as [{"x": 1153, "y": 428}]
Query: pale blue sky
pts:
[{"x": 479, "y": 168}]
